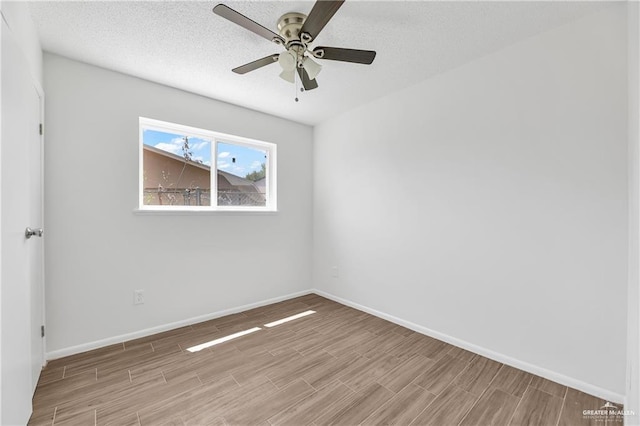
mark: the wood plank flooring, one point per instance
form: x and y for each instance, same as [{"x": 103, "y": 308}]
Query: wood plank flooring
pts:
[{"x": 338, "y": 366}]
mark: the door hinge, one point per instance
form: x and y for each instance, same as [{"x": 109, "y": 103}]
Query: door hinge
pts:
[
  {"x": 42, "y": 331},
  {"x": 41, "y": 130}
]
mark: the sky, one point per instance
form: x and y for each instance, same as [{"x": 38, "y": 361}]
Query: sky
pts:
[{"x": 235, "y": 159}]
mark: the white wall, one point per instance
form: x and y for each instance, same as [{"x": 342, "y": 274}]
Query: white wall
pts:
[
  {"x": 19, "y": 35},
  {"x": 98, "y": 251},
  {"x": 489, "y": 204},
  {"x": 632, "y": 401}
]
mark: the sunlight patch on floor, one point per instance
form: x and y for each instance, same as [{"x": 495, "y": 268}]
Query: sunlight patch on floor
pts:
[
  {"x": 223, "y": 339},
  {"x": 291, "y": 318}
]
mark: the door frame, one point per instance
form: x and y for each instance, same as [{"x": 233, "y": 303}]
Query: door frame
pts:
[{"x": 40, "y": 92}]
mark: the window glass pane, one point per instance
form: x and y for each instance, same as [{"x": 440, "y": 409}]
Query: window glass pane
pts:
[
  {"x": 242, "y": 173},
  {"x": 176, "y": 169}
]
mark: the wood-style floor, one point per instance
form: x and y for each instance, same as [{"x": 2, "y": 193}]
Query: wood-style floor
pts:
[{"x": 338, "y": 366}]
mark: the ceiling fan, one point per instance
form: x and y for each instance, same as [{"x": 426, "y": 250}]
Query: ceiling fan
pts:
[{"x": 296, "y": 32}]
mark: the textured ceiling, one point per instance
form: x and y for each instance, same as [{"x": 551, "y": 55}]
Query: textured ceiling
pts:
[{"x": 184, "y": 45}]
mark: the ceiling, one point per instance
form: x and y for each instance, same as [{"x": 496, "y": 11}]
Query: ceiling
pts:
[{"x": 184, "y": 45}]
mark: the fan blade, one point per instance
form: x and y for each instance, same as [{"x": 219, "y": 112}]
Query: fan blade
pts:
[
  {"x": 307, "y": 83},
  {"x": 320, "y": 14},
  {"x": 251, "y": 66},
  {"x": 238, "y": 18},
  {"x": 345, "y": 55}
]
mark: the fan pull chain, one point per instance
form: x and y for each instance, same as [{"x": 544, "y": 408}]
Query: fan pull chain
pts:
[{"x": 294, "y": 74}]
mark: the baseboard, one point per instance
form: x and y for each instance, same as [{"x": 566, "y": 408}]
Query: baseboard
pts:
[
  {"x": 166, "y": 327},
  {"x": 516, "y": 363}
]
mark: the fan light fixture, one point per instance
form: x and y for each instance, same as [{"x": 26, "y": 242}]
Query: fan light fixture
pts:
[
  {"x": 311, "y": 67},
  {"x": 287, "y": 62},
  {"x": 288, "y": 75}
]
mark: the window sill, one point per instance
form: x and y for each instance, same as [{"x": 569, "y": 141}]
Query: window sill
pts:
[{"x": 202, "y": 212}]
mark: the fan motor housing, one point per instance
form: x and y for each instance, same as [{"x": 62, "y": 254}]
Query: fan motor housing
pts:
[{"x": 289, "y": 25}]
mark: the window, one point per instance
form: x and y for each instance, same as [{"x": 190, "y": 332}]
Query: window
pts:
[{"x": 180, "y": 165}]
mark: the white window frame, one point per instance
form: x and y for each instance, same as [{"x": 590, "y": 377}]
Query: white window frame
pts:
[{"x": 215, "y": 137}]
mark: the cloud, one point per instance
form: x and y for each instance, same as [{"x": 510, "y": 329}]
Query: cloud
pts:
[
  {"x": 198, "y": 145},
  {"x": 169, "y": 147},
  {"x": 223, "y": 165},
  {"x": 256, "y": 165},
  {"x": 224, "y": 154},
  {"x": 175, "y": 145},
  {"x": 207, "y": 163}
]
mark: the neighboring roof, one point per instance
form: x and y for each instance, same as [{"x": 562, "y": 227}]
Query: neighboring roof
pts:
[
  {"x": 233, "y": 179},
  {"x": 261, "y": 184}
]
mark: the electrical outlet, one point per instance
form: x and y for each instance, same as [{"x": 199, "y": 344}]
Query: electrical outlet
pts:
[
  {"x": 334, "y": 272},
  {"x": 138, "y": 297}
]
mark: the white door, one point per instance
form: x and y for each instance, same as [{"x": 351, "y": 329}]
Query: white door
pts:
[{"x": 22, "y": 266}]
